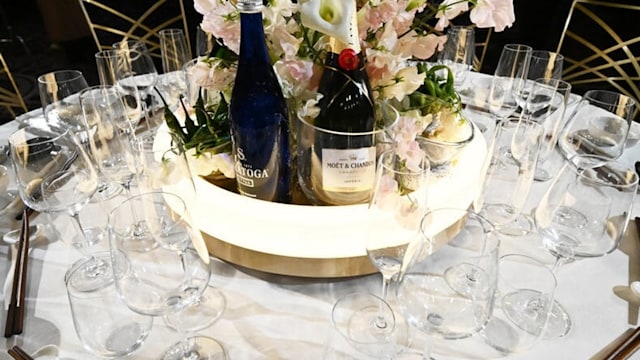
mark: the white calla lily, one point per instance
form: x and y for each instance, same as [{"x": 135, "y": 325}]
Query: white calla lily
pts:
[{"x": 330, "y": 17}]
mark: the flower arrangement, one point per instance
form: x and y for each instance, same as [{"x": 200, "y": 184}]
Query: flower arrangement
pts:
[{"x": 394, "y": 34}]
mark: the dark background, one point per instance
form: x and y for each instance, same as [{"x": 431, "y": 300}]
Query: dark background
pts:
[{"x": 55, "y": 37}]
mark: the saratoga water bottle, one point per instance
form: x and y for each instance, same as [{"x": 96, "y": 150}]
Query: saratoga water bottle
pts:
[
  {"x": 258, "y": 115},
  {"x": 346, "y": 149}
]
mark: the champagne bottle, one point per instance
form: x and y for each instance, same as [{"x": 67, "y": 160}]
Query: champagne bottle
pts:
[
  {"x": 258, "y": 115},
  {"x": 344, "y": 169}
]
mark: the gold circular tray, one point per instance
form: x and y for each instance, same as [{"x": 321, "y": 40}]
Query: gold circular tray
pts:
[{"x": 311, "y": 241}]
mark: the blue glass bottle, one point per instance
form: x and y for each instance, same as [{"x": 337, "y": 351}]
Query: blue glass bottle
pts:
[{"x": 258, "y": 115}]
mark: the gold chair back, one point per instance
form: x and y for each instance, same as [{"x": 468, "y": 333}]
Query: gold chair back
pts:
[
  {"x": 10, "y": 96},
  {"x": 111, "y": 21},
  {"x": 601, "y": 46}
]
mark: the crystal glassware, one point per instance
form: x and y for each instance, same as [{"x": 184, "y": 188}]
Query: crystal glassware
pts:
[
  {"x": 458, "y": 52},
  {"x": 168, "y": 278},
  {"x": 174, "y": 53},
  {"x": 599, "y": 125},
  {"x": 584, "y": 214},
  {"x": 509, "y": 169},
  {"x": 510, "y": 73},
  {"x": 449, "y": 291},
  {"x": 59, "y": 91}
]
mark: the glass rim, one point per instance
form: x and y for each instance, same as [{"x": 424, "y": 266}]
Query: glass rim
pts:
[
  {"x": 375, "y": 131},
  {"x": 80, "y": 263},
  {"x": 619, "y": 169},
  {"x": 518, "y": 47},
  {"x": 20, "y": 134},
  {"x": 424, "y": 170},
  {"x": 52, "y": 76},
  {"x": 630, "y": 101}
]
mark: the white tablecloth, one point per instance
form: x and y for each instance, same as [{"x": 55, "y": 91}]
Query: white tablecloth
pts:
[{"x": 275, "y": 317}]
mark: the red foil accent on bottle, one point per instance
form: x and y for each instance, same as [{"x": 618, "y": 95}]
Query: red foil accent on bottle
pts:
[{"x": 348, "y": 59}]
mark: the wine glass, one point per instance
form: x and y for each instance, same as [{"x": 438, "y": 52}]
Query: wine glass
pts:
[
  {"x": 168, "y": 278},
  {"x": 543, "y": 65},
  {"x": 59, "y": 99},
  {"x": 136, "y": 70},
  {"x": 458, "y": 52},
  {"x": 55, "y": 175},
  {"x": 523, "y": 304},
  {"x": 546, "y": 106},
  {"x": 353, "y": 318},
  {"x": 599, "y": 125},
  {"x": 584, "y": 214},
  {"x": 508, "y": 175},
  {"x": 107, "y": 62},
  {"x": 449, "y": 291},
  {"x": 173, "y": 49},
  {"x": 398, "y": 203},
  {"x": 512, "y": 69},
  {"x": 110, "y": 150}
]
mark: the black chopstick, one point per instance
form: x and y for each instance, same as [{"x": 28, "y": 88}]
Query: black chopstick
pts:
[
  {"x": 15, "y": 314},
  {"x": 17, "y": 353}
]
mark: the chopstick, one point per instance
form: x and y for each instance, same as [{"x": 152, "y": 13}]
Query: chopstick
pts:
[
  {"x": 626, "y": 348},
  {"x": 15, "y": 314},
  {"x": 17, "y": 353}
]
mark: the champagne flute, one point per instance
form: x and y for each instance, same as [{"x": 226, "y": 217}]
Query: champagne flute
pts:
[
  {"x": 168, "y": 278},
  {"x": 107, "y": 62},
  {"x": 55, "y": 175},
  {"x": 508, "y": 175},
  {"x": 546, "y": 105},
  {"x": 173, "y": 49},
  {"x": 458, "y": 52},
  {"x": 511, "y": 71},
  {"x": 136, "y": 70},
  {"x": 599, "y": 125},
  {"x": 584, "y": 214},
  {"x": 543, "y": 65},
  {"x": 59, "y": 99}
]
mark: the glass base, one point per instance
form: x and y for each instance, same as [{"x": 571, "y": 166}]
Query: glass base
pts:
[
  {"x": 559, "y": 323},
  {"x": 520, "y": 226},
  {"x": 199, "y": 315},
  {"x": 106, "y": 191},
  {"x": 196, "y": 348}
]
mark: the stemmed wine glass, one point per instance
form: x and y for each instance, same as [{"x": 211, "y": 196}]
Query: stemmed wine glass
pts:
[
  {"x": 508, "y": 175},
  {"x": 510, "y": 73},
  {"x": 449, "y": 291},
  {"x": 546, "y": 105},
  {"x": 168, "y": 278},
  {"x": 136, "y": 70},
  {"x": 584, "y": 214},
  {"x": 55, "y": 175},
  {"x": 599, "y": 125},
  {"x": 59, "y": 92}
]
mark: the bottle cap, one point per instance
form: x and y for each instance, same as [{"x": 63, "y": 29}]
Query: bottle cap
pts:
[{"x": 249, "y": 6}]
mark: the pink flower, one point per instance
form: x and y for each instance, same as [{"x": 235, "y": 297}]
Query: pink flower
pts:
[
  {"x": 219, "y": 20},
  {"x": 493, "y": 13},
  {"x": 448, "y": 10},
  {"x": 375, "y": 16},
  {"x": 421, "y": 47}
]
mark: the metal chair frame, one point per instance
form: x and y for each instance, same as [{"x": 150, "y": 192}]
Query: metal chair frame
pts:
[
  {"x": 622, "y": 74},
  {"x": 137, "y": 28},
  {"x": 10, "y": 98}
]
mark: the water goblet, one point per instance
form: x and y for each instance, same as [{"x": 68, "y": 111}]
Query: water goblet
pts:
[
  {"x": 584, "y": 214},
  {"x": 458, "y": 52},
  {"x": 59, "y": 92},
  {"x": 168, "y": 278},
  {"x": 523, "y": 303},
  {"x": 448, "y": 292},
  {"x": 546, "y": 106},
  {"x": 510, "y": 73},
  {"x": 508, "y": 175},
  {"x": 599, "y": 125}
]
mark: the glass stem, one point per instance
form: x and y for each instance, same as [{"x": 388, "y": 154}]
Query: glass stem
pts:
[
  {"x": 86, "y": 243},
  {"x": 381, "y": 322}
]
